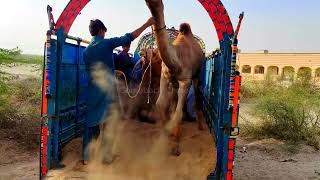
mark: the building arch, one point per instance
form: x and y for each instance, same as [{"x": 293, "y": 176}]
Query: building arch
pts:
[
  {"x": 273, "y": 70},
  {"x": 246, "y": 69},
  {"x": 317, "y": 75},
  {"x": 288, "y": 73},
  {"x": 304, "y": 73},
  {"x": 259, "y": 69}
]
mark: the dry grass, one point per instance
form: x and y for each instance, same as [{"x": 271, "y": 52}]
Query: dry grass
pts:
[
  {"x": 20, "y": 111},
  {"x": 291, "y": 114}
]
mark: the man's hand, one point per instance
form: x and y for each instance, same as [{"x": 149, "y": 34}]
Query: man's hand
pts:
[
  {"x": 151, "y": 21},
  {"x": 148, "y": 23}
]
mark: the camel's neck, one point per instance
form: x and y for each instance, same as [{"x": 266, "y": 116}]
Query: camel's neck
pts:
[
  {"x": 167, "y": 53},
  {"x": 159, "y": 18}
]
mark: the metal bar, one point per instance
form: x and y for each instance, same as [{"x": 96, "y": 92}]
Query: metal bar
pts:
[
  {"x": 234, "y": 63},
  {"x": 232, "y": 114},
  {"x": 236, "y": 101},
  {"x": 45, "y": 138},
  {"x": 239, "y": 25},
  {"x": 72, "y": 38},
  {"x": 77, "y": 117},
  {"x": 42, "y": 109},
  {"x": 56, "y": 122},
  {"x": 78, "y": 39},
  {"x": 50, "y": 18}
]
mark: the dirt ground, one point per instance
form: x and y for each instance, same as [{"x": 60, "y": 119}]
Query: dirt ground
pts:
[
  {"x": 268, "y": 159},
  {"x": 134, "y": 151},
  {"x": 16, "y": 163},
  {"x": 265, "y": 159},
  {"x": 21, "y": 71}
]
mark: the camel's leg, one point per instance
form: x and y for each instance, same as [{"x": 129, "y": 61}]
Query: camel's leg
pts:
[
  {"x": 198, "y": 103},
  {"x": 175, "y": 124},
  {"x": 162, "y": 103}
]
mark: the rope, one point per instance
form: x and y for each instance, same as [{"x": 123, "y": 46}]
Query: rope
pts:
[
  {"x": 135, "y": 67},
  {"x": 150, "y": 74},
  {"x": 150, "y": 79},
  {"x": 140, "y": 85}
]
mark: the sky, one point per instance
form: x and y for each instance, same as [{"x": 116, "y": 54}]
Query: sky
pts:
[{"x": 275, "y": 25}]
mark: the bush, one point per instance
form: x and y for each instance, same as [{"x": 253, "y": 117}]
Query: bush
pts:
[
  {"x": 288, "y": 113},
  {"x": 248, "y": 90},
  {"x": 251, "y": 88},
  {"x": 8, "y": 56},
  {"x": 9, "y": 53},
  {"x": 20, "y": 111}
]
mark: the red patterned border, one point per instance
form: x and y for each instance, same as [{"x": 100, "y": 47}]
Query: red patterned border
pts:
[
  {"x": 219, "y": 17},
  {"x": 69, "y": 14},
  {"x": 215, "y": 9}
]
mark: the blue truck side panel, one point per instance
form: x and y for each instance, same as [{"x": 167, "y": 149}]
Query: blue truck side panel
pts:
[{"x": 66, "y": 96}]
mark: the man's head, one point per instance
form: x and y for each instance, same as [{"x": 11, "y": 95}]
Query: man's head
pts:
[
  {"x": 126, "y": 48},
  {"x": 97, "y": 28}
]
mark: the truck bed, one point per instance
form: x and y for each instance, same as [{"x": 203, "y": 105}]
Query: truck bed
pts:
[{"x": 138, "y": 156}]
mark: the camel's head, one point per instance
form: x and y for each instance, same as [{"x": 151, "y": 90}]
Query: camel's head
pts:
[
  {"x": 155, "y": 6},
  {"x": 150, "y": 54},
  {"x": 185, "y": 29}
]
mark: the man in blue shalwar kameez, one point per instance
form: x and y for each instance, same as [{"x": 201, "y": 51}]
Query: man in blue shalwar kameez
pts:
[{"x": 100, "y": 51}]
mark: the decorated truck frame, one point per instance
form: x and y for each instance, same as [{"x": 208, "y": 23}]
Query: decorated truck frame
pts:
[{"x": 64, "y": 82}]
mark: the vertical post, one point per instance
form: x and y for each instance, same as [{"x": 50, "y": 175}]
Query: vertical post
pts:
[
  {"x": 313, "y": 74},
  {"x": 280, "y": 72},
  {"x": 231, "y": 128},
  {"x": 296, "y": 71},
  {"x": 253, "y": 70},
  {"x": 77, "y": 88},
  {"x": 61, "y": 37},
  {"x": 46, "y": 126}
]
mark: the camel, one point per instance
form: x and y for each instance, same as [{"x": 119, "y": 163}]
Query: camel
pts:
[
  {"x": 181, "y": 66},
  {"x": 144, "y": 108},
  {"x": 138, "y": 105}
]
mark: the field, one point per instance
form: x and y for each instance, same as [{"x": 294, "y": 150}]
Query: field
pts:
[
  {"x": 279, "y": 135},
  {"x": 9, "y": 56},
  {"x": 23, "y": 59}
]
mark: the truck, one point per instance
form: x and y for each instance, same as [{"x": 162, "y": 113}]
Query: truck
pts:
[{"x": 64, "y": 82}]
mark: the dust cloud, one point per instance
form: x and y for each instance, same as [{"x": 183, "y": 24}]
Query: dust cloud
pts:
[
  {"x": 114, "y": 143},
  {"x": 130, "y": 149}
]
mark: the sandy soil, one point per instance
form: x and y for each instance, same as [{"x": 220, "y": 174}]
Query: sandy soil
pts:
[
  {"x": 21, "y": 71},
  {"x": 136, "y": 157},
  {"x": 16, "y": 163},
  {"x": 268, "y": 159}
]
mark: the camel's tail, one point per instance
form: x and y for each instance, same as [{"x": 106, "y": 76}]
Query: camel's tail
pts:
[{"x": 185, "y": 29}]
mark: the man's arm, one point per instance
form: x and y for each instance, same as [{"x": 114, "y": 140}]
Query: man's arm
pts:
[
  {"x": 138, "y": 31},
  {"x": 128, "y": 38}
]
